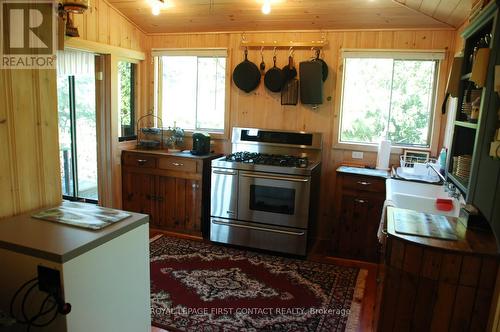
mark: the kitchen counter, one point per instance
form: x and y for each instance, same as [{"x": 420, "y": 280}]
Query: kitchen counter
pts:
[
  {"x": 364, "y": 171},
  {"x": 469, "y": 241},
  {"x": 182, "y": 154},
  {"x": 57, "y": 242},
  {"x": 437, "y": 285},
  {"x": 99, "y": 271}
]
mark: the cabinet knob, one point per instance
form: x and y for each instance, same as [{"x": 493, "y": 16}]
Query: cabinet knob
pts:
[
  {"x": 360, "y": 201},
  {"x": 178, "y": 164},
  {"x": 364, "y": 183},
  {"x": 141, "y": 161},
  {"x": 195, "y": 186}
]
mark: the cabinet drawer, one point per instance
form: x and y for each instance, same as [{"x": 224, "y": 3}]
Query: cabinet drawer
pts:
[
  {"x": 363, "y": 183},
  {"x": 139, "y": 160},
  {"x": 177, "y": 164}
]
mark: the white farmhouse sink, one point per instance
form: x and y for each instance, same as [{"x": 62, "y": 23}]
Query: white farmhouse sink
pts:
[{"x": 419, "y": 197}]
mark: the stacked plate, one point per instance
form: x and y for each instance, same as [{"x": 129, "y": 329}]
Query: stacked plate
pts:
[{"x": 463, "y": 166}]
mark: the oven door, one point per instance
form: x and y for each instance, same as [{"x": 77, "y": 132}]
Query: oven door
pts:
[
  {"x": 224, "y": 193},
  {"x": 274, "y": 199}
]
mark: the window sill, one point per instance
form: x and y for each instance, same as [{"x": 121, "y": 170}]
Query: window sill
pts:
[
  {"x": 374, "y": 147},
  {"x": 216, "y": 135}
]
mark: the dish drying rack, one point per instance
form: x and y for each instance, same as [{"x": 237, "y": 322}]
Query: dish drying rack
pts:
[{"x": 414, "y": 168}]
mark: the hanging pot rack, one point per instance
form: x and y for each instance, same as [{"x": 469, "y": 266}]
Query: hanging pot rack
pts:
[{"x": 284, "y": 44}]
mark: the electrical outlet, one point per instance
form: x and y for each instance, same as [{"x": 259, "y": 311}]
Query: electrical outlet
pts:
[
  {"x": 357, "y": 155},
  {"x": 49, "y": 280}
]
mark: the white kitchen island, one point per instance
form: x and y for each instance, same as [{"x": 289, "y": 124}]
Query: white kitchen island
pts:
[{"x": 104, "y": 273}]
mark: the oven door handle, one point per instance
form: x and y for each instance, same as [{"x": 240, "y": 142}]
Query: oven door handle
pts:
[
  {"x": 216, "y": 171},
  {"x": 273, "y": 177},
  {"x": 258, "y": 228}
]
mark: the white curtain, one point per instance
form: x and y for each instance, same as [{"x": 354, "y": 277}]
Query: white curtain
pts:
[{"x": 71, "y": 62}]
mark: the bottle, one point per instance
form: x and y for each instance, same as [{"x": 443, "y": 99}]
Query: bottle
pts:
[{"x": 442, "y": 161}]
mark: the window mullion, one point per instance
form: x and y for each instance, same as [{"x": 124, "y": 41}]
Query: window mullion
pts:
[
  {"x": 390, "y": 101},
  {"x": 197, "y": 89}
]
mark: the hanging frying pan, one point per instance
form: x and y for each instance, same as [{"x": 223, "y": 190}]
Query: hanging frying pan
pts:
[
  {"x": 273, "y": 80},
  {"x": 289, "y": 71},
  {"x": 246, "y": 75},
  {"x": 323, "y": 64}
]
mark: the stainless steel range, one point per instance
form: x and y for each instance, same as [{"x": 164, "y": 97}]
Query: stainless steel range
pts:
[{"x": 264, "y": 193}]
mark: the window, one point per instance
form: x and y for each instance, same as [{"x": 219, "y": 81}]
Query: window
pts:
[
  {"x": 126, "y": 100},
  {"x": 191, "y": 87},
  {"x": 388, "y": 96},
  {"x": 76, "y": 102}
]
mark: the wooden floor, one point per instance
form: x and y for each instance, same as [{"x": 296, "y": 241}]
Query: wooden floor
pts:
[{"x": 318, "y": 254}]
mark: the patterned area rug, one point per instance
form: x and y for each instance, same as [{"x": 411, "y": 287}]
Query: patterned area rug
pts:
[{"x": 197, "y": 286}]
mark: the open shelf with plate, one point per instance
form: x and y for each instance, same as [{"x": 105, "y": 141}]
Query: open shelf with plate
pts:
[
  {"x": 471, "y": 101},
  {"x": 470, "y": 167}
]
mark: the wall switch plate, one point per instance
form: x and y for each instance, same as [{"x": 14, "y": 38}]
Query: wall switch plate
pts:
[{"x": 357, "y": 155}]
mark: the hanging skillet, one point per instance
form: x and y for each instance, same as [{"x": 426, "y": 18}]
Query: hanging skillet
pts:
[
  {"x": 246, "y": 75},
  {"x": 289, "y": 71},
  {"x": 273, "y": 80},
  {"x": 323, "y": 64}
]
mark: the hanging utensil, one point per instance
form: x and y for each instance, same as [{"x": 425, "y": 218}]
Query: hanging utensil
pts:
[
  {"x": 262, "y": 65},
  {"x": 246, "y": 75},
  {"x": 290, "y": 92},
  {"x": 323, "y": 63},
  {"x": 273, "y": 80},
  {"x": 289, "y": 71}
]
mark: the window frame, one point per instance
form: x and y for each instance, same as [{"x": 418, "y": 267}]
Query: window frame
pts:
[
  {"x": 205, "y": 52},
  {"x": 134, "y": 99},
  {"x": 441, "y": 58}
]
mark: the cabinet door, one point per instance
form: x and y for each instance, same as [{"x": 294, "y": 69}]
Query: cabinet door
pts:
[
  {"x": 179, "y": 204},
  {"x": 358, "y": 225},
  {"x": 138, "y": 193}
]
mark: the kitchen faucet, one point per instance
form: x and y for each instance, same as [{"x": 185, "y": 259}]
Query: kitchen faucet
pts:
[
  {"x": 449, "y": 187},
  {"x": 429, "y": 165}
]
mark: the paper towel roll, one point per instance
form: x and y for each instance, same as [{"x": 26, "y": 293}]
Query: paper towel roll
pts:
[{"x": 383, "y": 155}]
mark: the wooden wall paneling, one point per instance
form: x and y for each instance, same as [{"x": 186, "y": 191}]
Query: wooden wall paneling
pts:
[
  {"x": 404, "y": 40},
  {"x": 49, "y": 137},
  {"x": 92, "y": 21},
  {"x": 114, "y": 27},
  {"x": 9, "y": 205},
  {"x": 30, "y": 156},
  {"x": 26, "y": 158},
  {"x": 103, "y": 22}
]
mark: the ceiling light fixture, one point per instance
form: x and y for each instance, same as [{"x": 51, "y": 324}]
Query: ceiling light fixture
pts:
[
  {"x": 158, "y": 5},
  {"x": 266, "y": 7}
]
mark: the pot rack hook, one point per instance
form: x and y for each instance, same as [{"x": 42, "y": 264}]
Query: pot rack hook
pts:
[
  {"x": 262, "y": 51},
  {"x": 274, "y": 51},
  {"x": 291, "y": 51}
]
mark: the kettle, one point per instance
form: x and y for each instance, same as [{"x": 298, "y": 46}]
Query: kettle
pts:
[{"x": 201, "y": 144}]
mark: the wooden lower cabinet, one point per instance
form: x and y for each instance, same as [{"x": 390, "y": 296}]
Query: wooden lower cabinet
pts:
[
  {"x": 179, "y": 204},
  {"x": 359, "y": 203},
  {"x": 174, "y": 191},
  {"x": 429, "y": 289}
]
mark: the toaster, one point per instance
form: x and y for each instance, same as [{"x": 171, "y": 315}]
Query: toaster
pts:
[{"x": 201, "y": 144}]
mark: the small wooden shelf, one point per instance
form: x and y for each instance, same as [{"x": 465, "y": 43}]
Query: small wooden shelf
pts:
[
  {"x": 460, "y": 183},
  {"x": 466, "y": 124},
  {"x": 466, "y": 77}
]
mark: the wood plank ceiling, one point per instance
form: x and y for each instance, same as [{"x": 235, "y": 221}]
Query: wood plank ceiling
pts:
[
  {"x": 246, "y": 15},
  {"x": 452, "y": 12}
]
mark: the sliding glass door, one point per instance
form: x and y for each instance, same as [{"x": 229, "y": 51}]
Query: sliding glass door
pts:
[{"x": 76, "y": 92}]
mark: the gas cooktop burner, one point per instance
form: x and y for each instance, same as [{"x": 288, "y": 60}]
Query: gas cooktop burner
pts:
[{"x": 268, "y": 159}]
